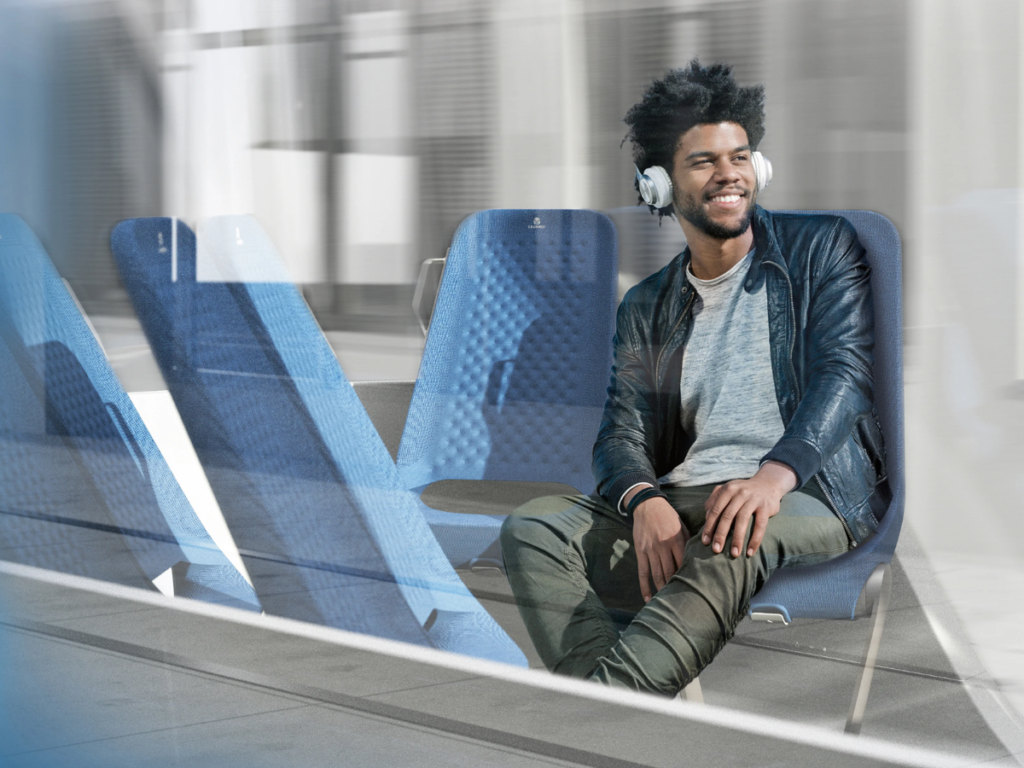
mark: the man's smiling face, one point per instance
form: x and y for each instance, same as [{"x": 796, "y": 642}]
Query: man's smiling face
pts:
[{"x": 713, "y": 180}]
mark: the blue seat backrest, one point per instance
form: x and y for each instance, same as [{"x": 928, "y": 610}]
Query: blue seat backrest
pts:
[
  {"x": 830, "y": 590},
  {"x": 83, "y": 488},
  {"x": 518, "y": 356},
  {"x": 308, "y": 489}
]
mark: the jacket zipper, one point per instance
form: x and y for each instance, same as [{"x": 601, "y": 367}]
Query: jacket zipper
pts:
[
  {"x": 796, "y": 384},
  {"x": 792, "y": 328}
]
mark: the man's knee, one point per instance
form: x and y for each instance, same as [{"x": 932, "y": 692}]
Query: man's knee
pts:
[
  {"x": 514, "y": 530},
  {"x": 709, "y": 569},
  {"x": 521, "y": 530},
  {"x": 536, "y": 525}
]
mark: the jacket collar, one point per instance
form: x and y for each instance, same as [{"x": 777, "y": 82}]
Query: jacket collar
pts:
[
  {"x": 766, "y": 249},
  {"x": 764, "y": 237}
]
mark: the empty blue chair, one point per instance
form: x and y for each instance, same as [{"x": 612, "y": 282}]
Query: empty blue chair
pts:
[
  {"x": 83, "y": 488},
  {"x": 312, "y": 498},
  {"x": 516, "y": 364},
  {"x": 831, "y": 590}
]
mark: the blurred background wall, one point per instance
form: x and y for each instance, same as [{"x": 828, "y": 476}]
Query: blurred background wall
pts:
[{"x": 360, "y": 132}]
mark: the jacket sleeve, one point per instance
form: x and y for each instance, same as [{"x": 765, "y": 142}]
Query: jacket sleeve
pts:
[
  {"x": 624, "y": 450},
  {"x": 839, "y": 344}
]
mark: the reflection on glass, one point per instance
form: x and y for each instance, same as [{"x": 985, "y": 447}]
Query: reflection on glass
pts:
[
  {"x": 306, "y": 486},
  {"x": 83, "y": 488}
]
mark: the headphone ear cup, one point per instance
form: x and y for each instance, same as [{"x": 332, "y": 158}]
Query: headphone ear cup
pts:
[
  {"x": 655, "y": 186},
  {"x": 762, "y": 170}
]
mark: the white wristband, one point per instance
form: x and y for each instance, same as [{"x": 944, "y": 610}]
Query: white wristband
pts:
[{"x": 624, "y": 495}]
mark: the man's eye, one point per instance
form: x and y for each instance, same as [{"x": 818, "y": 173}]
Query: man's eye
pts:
[{"x": 740, "y": 159}]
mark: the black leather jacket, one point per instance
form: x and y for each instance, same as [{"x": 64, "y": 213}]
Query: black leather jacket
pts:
[{"x": 820, "y": 328}]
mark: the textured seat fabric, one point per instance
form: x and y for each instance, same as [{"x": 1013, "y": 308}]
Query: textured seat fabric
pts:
[
  {"x": 83, "y": 488},
  {"x": 517, "y": 360},
  {"x": 308, "y": 490},
  {"x": 831, "y": 589}
]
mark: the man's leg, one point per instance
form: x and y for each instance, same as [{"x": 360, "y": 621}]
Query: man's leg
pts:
[
  {"x": 688, "y": 622},
  {"x": 571, "y": 565},
  {"x": 573, "y": 570}
]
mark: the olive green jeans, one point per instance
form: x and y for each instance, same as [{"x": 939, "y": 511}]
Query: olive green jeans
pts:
[{"x": 573, "y": 570}]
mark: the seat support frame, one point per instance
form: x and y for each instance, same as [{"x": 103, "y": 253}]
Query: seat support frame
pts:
[
  {"x": 875, "y": 597},
  {"x": 693, "y": 692},
  {"x": 877, "y": 591}
]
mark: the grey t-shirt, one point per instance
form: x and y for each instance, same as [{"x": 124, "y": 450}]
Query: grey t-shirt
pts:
[{"x": 727, "y": 391}]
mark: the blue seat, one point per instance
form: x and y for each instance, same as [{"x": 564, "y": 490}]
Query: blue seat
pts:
[
  {"x": 516, "y": 364},
  {"x": 313, "y": 499},
  {"x": 833, "y": 590},
  {"x": 83, "y": 488}
]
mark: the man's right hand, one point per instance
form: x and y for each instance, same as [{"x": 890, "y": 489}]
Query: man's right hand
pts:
[{"x": 659, "y": 538}]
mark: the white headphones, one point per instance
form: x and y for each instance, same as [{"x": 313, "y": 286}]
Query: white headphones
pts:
[{"x": 656, "y": 187}]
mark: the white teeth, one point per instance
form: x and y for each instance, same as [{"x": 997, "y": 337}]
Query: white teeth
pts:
[{"x": 725, "y": 198}]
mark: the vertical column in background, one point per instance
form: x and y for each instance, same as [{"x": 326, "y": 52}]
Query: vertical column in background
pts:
[
  {"x": 222, "y": 109},
  {"x": 175, "y": 80},
  {"x": 575, "y": 107},
  {"x": 1020, "y": 201},
  {"x": 27, "y": 114},
  {"x": 543, "y": 123},
  {"x": 234, "y": 130},
  {"x": 378, "y": 195},
  {"x": 288, "y": 170},
  {"x": 454, "y": 104}
]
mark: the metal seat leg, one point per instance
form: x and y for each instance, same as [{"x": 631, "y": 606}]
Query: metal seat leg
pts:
[
  {"x": 877, "y": 590},
  {"x": 693, "y": 693}
]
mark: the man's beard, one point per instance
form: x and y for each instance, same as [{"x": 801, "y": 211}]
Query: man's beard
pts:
[{"x": 691, "y": 210}]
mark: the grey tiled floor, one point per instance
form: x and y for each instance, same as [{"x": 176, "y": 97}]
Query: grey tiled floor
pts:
[
  {"x": 939, "y": 685},
  {"x": 115, "y": 683}
]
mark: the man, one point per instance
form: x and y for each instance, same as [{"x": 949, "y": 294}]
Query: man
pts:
[{"x": 739, "y": 434}]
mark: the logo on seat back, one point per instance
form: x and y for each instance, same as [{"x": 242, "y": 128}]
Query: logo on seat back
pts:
[{"x": 536, "y": 223}]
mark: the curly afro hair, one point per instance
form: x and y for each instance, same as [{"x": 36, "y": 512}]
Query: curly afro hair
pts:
[{"x": 683, "y": 98}]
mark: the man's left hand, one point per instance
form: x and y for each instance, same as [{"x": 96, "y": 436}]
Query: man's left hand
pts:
[{"x": 731, "y": 505}]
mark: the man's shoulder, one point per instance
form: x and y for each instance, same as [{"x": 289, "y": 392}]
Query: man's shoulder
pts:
[
  {"x": 811, "y": 235},
  {"x": 802, "y": 224}
]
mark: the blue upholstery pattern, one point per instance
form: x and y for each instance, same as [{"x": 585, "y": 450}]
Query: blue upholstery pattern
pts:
[
  {"x": 306, "y": 485},
  {"x": 830, "y": 590},
  {"x": 83, "y": 488},
  {"x": 517, "y": 360}
]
